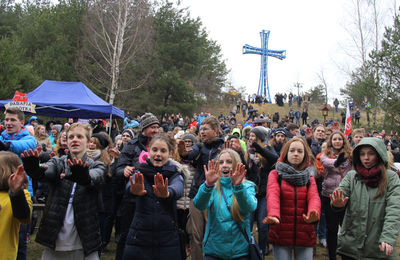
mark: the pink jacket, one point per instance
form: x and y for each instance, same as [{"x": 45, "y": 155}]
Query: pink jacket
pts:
[{"x": 333, "y": 175}]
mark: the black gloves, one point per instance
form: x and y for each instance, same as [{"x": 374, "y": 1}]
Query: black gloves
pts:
[
  {"x": 4, "y": 146},
  {"x": 32, "y": 167},
  {"x": 79, "y": 174},
  {"x": 341, "y": 159},
  {"x": 257, "y": 147}
]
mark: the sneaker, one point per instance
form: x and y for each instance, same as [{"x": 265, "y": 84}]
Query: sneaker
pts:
[{"x": 322, "y": 242}]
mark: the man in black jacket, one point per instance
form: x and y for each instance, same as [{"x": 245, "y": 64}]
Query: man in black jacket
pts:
[
  {"x": 210, "y": 146},
  {"x": 129, "y": 161}
]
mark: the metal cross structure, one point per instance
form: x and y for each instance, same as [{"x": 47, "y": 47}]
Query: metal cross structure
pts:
[{"x": 263, "y": 85}]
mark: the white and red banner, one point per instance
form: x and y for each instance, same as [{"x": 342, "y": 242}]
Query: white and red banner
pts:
[
  {"x": 20, "y": 101},
  {"x": 349, "y": 127}
]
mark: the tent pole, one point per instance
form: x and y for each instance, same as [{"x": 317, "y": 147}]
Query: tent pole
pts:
[{"x": 110, "y": 126}]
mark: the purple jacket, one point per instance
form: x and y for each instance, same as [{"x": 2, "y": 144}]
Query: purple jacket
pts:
[{"x": 333, "y": 175}]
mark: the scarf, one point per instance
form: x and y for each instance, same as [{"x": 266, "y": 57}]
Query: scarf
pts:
[
  {"x": 370, "y": 176},
  {"x": 293, "y": 176},
  {"x": 149, "y": 170}
]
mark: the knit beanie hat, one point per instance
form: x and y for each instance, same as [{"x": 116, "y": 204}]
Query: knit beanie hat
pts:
[
  {"x": 102, "y": 139},
  {"x": 147, "y": 120},
  {"x": 280, "y": 131},
  {"x": 191, "y": 137},
  {"x": 261, "y": 132},
  {"x": 129, "y": 131},
  {"x": 57, "y": 127}
]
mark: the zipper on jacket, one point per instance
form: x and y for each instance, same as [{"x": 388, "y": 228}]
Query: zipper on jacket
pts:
[{"x": 295, "y": 216}]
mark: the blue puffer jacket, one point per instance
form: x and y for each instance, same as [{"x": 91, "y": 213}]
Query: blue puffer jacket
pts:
[
  {"x": 19, "y": 142},
  {"x": 223, "y": 238}
]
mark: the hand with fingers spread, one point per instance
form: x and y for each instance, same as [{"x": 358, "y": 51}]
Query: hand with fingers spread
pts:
[
  {"x": 137, "y": 187},
  {"x": 30, "y": 160},
  {"x": 160, "y": 187},
  {"x": 17, "y": 180},
  {"x": 238, "y": 176},
  {"x": 271, "y": 220},
  {"x": 128, "y": 170},
  {"x": 312, "y": 217},
  {"x": 385, "y": 247},
  {"x": 211, "y": 173},
  {"x": 309, "y": 133},
  {"x": 79, "y": 172},
  {"x": 337, "y": 199}
]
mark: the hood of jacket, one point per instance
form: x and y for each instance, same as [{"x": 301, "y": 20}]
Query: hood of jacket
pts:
[
  {"x": 236, "y": 131},
  {"x": 376, "y": 143}
]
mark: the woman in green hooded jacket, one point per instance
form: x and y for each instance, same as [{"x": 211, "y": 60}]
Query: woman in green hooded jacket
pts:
[{"x": 370, "y": 196}]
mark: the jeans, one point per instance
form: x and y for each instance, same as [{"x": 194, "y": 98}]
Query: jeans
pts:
[
  {"x": 208, "y": 257},
  {"x": 333, "y": 219},
  {"x": 195, "y": 227},
  {"x": 321, "y": 227},
  {"x": 258, "y": 215},
  {"x": 22, "y": 245},
  {"x": 285, "y": 252}
]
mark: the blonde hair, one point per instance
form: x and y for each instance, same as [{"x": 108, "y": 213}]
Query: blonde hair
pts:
[
  {"x": 235, "y": 210},
  {"x": 37, "y": 136},
  {"x": 86, "y": 127},
  {"x": 9, "y": 163}
]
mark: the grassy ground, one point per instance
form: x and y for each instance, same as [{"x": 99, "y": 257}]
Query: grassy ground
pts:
[{"x": 314, "y": 111}]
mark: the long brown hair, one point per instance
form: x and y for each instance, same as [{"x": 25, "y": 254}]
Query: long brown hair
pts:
[
  {"x": 9, "y": 163},
  {"x": 308, "y": 159},
  {"x": 346, "y": 148},
  {"x": 104, "y": 155},
  {"x": 235, "y": 210}
]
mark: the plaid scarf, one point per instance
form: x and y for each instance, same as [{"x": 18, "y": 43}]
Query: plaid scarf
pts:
[{"x": 370, "y": 176}]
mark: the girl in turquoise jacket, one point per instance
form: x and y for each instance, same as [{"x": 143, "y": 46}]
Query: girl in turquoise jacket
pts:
[{"x": 223, "y": 239}]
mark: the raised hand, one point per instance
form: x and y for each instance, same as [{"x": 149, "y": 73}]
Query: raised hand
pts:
[
  {"x": 211, "y": 173},
  {"x": 160, "y": 188},
  {"x": 30, "y": 160},
  {"x": 309, "y": 133},
  {"x": 271, "y": 220},
  {"x": 182, "y": 148},
  {"x": 128, "y": 170},
  {"x": 17, "y": 179},
  {"x": 385, "y": 247},
  {"x": 257, "y": 147},
  {"x": 238, "y": 175},
  {"x": 337, "y": 199},
  {"x": 137, "y": 187},
  {"x": 312, "y": 217},
  {"x": 114, "y": 153},
  {"x": 79, "y": 172},
  {"x": 340, "y": 160}
]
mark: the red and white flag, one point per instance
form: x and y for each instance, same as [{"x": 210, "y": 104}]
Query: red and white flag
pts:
[{"x": 349, "y": 128}]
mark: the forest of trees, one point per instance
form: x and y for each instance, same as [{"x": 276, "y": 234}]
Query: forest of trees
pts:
[{"x": 138, "y": 55}]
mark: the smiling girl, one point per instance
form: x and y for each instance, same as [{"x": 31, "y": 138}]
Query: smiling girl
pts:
[
  {"x": 293, "y": 204},
  {"x": 337, "y": 162},
  {"x": 157, "y": 185},
  {"x": 225, "y": 181}
]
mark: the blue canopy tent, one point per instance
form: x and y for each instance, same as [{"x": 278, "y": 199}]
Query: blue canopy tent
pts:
[{"x": 69, "y": 99}]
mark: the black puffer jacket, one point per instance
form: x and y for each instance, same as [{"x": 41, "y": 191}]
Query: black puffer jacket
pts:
[
  {"x": 200, "y": 154},
  {"x": 84, "y": 204},
  {"x": 130, "y": 153},
  {"x": 258, "y": 173}
]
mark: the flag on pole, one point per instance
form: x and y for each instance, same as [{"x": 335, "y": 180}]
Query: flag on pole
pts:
[{"x": 349, "y": 128}]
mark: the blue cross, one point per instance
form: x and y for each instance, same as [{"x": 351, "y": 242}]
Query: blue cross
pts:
[{"x": 264, "y": 52}]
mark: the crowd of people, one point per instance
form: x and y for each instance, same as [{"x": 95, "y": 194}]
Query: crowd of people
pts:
[{"x": 198, "y": 186}]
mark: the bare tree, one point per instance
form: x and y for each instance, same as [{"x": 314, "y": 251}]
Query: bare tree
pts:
[
  {"x": 116, "y": 33},
  {"x": 321, "y": 77}
]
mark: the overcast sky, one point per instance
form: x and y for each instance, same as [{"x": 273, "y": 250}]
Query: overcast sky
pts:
[{"x": 314, "y": 34}]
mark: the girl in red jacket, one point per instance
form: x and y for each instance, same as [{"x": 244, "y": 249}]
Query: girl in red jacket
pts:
[{"x": 293, "y": 204}]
